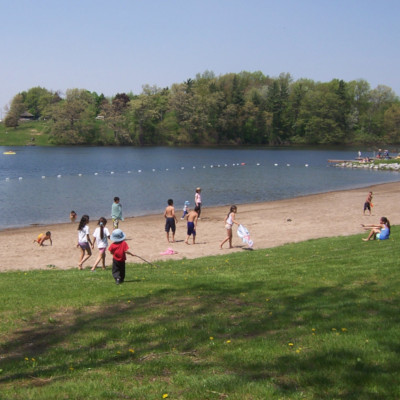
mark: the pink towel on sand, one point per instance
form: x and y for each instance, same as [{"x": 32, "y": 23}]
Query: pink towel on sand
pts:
[{"x": 168, "y": 252}]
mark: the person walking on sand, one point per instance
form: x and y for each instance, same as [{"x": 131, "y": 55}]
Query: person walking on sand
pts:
[
  {"x": 191, "y": 224},
  {"x": 229, "y": 221},
  {"x": 170, "y": 220},
  {"x": 197, "y": 200},
  {"x": 100, "y": 235},
  {"x": 368, "y": 203},
  {"x": 43, "y": 237},
  {"x": 84, "y": 240},
  {"x": 116, "y": 212},
  {"x": 380, "y": 232},
  {"x": 119, "y": 249}
]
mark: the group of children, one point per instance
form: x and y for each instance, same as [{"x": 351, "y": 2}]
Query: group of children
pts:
[
  {"x": 119, "y": 248},
  {"x": 191, "y": 215}
]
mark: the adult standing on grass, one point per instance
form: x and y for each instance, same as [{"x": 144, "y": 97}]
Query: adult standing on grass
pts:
[
  {"x": 84, "y": 240},
  {"x": 116, "y": 212},
  {"x": 119, "y": 249},
  {"x": 229, "y": 221},
  {"x": 380, "y": 232},
  {"x": 197, "y": 201}
]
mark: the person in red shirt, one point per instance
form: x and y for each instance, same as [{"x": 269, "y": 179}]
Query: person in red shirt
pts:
[{"x": 119, "y": 249}]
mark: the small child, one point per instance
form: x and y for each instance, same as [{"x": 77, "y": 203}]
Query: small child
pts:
[
  {"x": 116, "y": 212},
  {"x": 170, "y": 220},
  {"x": 119, "y": 249},
  {"x": 191, "y": 225},
  {"x": 185, "y": 209},
  {"x": 72, "y": 216},
  {"x": 43, "y": 237},
  {"x": 368, "y": 203},
  {"x": 84, "y": 240},
  {"x": 100, "y": 235}
]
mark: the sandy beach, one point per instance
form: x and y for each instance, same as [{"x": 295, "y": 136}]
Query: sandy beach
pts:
[{"x": 270, "y": 224}]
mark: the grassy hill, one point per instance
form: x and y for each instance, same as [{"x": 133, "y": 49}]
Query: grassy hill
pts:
[
  {"x": 26, "y": 134},
  {"x": 313, "y": 320}
]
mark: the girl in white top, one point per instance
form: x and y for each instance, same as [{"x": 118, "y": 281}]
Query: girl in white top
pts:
[
  {"x": 100, "y": 235},
  {"x": 229, "y": 221},
  {"x": 84, "y": 240}
]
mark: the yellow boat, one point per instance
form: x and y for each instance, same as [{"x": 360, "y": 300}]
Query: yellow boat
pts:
[{"x": 9, "y": 152}]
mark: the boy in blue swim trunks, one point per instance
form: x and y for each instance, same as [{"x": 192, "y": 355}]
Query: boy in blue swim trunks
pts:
[{"x": 192, "y": 217}]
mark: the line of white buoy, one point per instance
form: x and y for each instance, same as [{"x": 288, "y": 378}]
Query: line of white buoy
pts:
[{"x": 167, "y": 169}]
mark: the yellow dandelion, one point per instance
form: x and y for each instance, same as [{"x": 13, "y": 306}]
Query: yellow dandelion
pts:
[
  {"x": 131, "y": 350},
  {"x": 313, "y": 329},
  {"x": 228, "y": 341},
  {"x": 26, "y": 359},
  {"x": 344, "y": 329},
  {"x": 211, "y": 338},
  {"x": 33, "y": 359},
  {"x": 118, "y": 352},
  {"x": 334, "y": 329},
  {"x": 266, "y": 299},
  {"x": 71, "y": 368},
  {"x": 290, "y": 344},
  {"x": 165, "y": 395}
]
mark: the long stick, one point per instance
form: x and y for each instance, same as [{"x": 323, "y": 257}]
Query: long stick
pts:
[{"x": 148, "y": 262}]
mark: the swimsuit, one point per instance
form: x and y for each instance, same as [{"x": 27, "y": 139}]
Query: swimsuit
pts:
[
  {"x": 170, "y": 224},
  {"x": 191, "y": 229},
  {"x": 383, "y": 234}
]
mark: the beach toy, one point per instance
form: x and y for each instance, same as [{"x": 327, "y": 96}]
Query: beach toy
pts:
[{"x": 244, "y": 234}]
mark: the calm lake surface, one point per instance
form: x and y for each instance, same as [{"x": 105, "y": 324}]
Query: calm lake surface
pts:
[{"x": 41, "y": 185}]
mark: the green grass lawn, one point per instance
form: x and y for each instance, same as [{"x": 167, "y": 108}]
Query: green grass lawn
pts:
[
  {"x": 313, "y": 320},
  {"x": 26, "y": 134}
]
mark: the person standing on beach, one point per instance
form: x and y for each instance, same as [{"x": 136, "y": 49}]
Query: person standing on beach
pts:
[
  {"x": 170, "y": 220},
  {"x": 229, "y": 221},
  {"x": 368, "y": 203},
  {"x": 100, "y": 235},
  {"x": 116, "y": 212},
  {"x": 84, "y": 240},
  {"x": 119, "y": 249},
  {"x": 191, "y": 225},
  {"x": 197, "y": 200}
]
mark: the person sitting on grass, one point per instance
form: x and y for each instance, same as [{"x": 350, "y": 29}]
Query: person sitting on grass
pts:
[{"x": 380, "y": 232}]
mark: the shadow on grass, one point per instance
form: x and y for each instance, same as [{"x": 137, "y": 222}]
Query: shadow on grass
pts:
[{"x": 178, "y": 323}]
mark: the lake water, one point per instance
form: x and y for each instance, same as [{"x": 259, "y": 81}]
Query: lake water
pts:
[{"x": 41, "y": 185}]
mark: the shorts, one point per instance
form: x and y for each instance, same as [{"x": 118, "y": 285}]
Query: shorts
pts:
[
  {"x": 84, "y": 245},
  {"x": 367, "y": 206},
  {"x": 115, "y": 223},
  {"x": 228, "y": 226},
  {"x": 170, "y": 225},
  {"x": 381, "y": 237},
  {"x": 191, "y": 229},
  {"x": 102, "y": 250}
]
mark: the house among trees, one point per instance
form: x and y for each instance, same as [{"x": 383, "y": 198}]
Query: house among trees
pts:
[{"x": 26, "y": 116}]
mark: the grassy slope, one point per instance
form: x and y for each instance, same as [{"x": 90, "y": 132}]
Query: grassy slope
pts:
[
  {"x": 314, "y": 320},
  {"x": 23, "y": 134}
]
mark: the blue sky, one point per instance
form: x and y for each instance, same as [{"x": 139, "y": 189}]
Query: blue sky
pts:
[{"x": 117, "y": 46}]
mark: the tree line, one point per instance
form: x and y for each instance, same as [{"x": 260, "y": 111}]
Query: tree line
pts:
[{"x": 246, "y": 108}]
